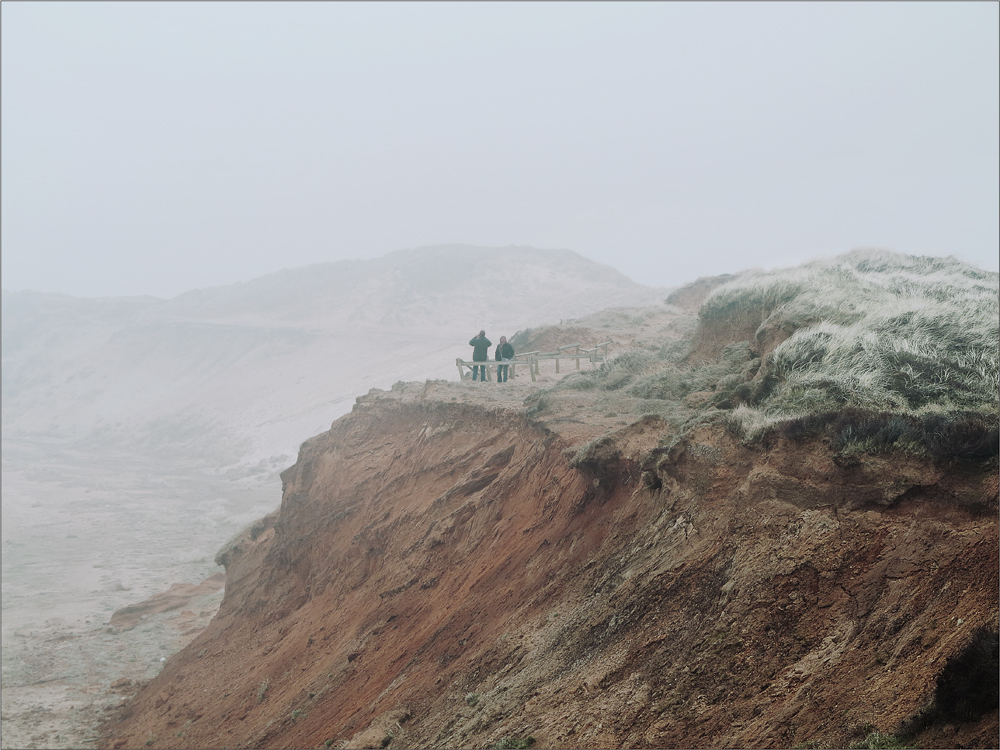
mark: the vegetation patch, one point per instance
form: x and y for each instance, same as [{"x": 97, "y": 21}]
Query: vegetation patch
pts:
[
  {"x": 597, "y": 457},
  {"x": 936, "y": 434},
  {"x": 878, "y": 352},
  {"x": 874, "y": 330},
  {"x": 880, "y": 741},
  {"x": 513, "y": 743}
]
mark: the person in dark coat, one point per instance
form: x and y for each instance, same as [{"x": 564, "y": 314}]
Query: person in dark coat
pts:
[
  {"x": 480, "y": 353},
  {"x": 504, "y": 353}
]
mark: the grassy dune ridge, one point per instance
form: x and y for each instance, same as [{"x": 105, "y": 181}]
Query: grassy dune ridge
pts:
[{"x": 876, "y": 349}]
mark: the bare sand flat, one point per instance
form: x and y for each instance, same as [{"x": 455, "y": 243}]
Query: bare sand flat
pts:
[{"x": 82, "y": 540}]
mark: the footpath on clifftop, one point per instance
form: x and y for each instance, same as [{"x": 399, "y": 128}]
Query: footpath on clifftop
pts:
[{"x": 658, "y": 553}]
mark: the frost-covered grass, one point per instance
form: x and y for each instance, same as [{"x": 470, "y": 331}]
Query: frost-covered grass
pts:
[
  {"x": 661, "y": 375},
  {"x": 848, "y": 287},
  {"x": 876, "y": 331},
  {"x": 616, "y": 372},
  {"x": 902, "y": 354},
  {"x": 872, "y": 332}
]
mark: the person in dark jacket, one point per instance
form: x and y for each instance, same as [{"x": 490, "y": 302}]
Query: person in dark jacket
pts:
[
  {"x": 504, "y": 353},
  {"x": 480, "y": 353}
]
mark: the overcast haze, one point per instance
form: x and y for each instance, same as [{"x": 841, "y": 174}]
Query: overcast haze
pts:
[{"x": 153, "y": 148}]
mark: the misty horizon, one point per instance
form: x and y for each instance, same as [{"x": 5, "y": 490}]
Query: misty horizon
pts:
[
  {"x": 416, "y": 250},
  {"x": 152, "y": 149}
]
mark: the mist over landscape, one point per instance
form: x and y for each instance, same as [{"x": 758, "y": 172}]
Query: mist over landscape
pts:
[
  {"x": 194, "y": 145},
  {"x": 238, "y": 376},
  {"x": 143, "y": 437},
  {"x": 244, "y": 245},
  {"x": 140, "y": 433}
]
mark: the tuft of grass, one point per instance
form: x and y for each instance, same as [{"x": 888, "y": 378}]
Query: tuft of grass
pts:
[
  {"x": 536, "y": 403},
  {"x": 262, "y": 689},
  {"x": 966, "y": 435},
  {"x": 513, "y": 743},
  {"x": 752, "y": 425},
  {"x": 880, "y": 741},
  {"x": 646, "y": 375},
  {"x": 876, "y": 331},
  {"x": 617, "y": 372},
  {"x": 841, "y": 289},
  {"x": 936, "y": 434},
  {"x": 904, "y": 349},
  {"x": 232, "y": 545}
]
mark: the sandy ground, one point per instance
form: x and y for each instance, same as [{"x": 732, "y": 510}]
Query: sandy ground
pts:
[{"x": 82, "y": 537}]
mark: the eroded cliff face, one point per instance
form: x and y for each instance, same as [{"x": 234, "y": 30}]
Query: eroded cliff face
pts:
[{"x": 446, "y": 570}]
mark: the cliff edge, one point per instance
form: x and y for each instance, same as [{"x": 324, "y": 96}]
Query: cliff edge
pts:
[
  {"x": 439, "y": 574},
  {"x": 659, "y": 553}
]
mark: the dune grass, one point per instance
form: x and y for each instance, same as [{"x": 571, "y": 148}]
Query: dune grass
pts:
[{"x": 886, "y": 352}]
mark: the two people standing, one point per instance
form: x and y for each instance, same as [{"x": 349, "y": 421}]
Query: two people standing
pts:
[{"x": 480, "y": 353}]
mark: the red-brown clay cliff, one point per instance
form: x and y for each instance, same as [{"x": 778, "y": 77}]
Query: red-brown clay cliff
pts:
[{"x": 449, "y": 569}]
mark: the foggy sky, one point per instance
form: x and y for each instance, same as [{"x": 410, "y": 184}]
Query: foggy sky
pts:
[{"x": 153, "y": 148}]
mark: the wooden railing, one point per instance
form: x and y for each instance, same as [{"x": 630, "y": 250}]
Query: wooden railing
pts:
[
  {"x": 488, "y": 366},
  {"x": 593, "y": 355}
]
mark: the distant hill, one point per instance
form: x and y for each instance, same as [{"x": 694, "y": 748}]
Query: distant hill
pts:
[
  {"x": 444, "y": 286},
  {"x": 246, "y": 372}
]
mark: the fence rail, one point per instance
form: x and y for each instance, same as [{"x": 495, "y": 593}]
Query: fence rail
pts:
[{"x": 594, "y": 354}]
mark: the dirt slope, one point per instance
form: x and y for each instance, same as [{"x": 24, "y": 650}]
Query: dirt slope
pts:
[{"x": 449, "y": 569}]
